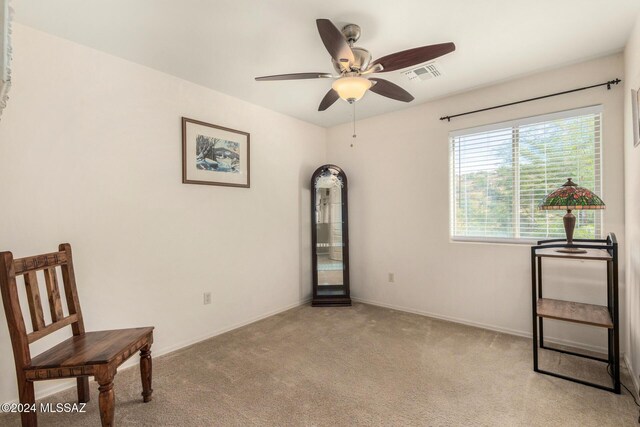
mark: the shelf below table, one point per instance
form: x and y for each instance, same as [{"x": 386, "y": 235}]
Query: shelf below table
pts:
[{"x": 588, "y": 314}]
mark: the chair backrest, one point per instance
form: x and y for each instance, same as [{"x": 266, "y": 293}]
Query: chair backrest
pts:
[{"x": 28, "y": 267}]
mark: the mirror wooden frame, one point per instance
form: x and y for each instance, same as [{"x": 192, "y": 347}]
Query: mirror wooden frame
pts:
[{"x": 320, "y": 299}]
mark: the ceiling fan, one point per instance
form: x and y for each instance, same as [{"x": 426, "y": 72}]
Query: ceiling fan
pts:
[{"x": 352, "y": 63}]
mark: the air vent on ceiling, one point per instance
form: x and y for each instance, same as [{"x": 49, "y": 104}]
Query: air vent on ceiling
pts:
[{"x": 427, "y": 71}]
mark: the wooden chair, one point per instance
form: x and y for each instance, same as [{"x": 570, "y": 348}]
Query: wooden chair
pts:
[{"x": 86, "y": 354}]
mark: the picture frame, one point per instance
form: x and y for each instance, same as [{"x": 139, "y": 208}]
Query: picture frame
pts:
[
  {"x": 5, "y": 52},
  {"x": 635, "y": 108},
  {"x": 215, "y": 155}
]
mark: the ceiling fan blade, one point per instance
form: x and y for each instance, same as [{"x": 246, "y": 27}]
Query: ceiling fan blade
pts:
[
  {"x": 295, "y": 76},
  {"x": 390, "y": 90},
  {"x": 328, "y": 100},
  {"x": 418, "y": 55},
  {"x": 335, "y": 42}
]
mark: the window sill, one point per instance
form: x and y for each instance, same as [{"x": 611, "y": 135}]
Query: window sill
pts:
[
  {"x": 498, "y": 240},
  {"x": 495, "y": 240}
]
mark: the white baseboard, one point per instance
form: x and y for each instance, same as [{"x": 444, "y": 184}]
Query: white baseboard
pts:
[
  {"x": 48, "y": 390},
  {"x": 632, "y": 374},
  {"x": 221, "y": 331},
  {"x": 57, "y": 387},
  {"x": 524, "y": 334}
]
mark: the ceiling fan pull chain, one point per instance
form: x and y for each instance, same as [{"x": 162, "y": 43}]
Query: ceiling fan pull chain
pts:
[{"x": 354, "y": 119}]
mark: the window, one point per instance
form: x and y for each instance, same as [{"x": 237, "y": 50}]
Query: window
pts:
[{"x": 500, "y": 173}]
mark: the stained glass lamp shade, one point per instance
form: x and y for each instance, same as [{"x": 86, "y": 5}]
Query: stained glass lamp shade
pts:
[{"x": 570, "y": 197}]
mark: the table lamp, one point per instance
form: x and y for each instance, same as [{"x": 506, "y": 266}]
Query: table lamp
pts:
[{"x": 570, "y": 196}]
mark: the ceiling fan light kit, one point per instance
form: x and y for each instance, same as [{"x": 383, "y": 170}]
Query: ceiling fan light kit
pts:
[{"x": 351, "y": 88}]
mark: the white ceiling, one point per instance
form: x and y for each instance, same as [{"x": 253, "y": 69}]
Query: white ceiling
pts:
[{"x": 224, "y": 44}]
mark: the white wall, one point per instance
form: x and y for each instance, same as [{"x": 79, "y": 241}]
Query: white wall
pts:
[
  {"x": 632, "y": 202},
  {"x": 90, "y": 153},
  {"x": 399, "y": 207}
]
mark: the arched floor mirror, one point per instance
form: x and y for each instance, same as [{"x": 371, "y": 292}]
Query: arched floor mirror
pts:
[{"x": 330, "y": 237}]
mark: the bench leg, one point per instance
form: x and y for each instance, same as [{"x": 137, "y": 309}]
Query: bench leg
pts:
[
  {"x": 145, "y": 372},
  {"x": 83, "y": 390},
  {"x": 27, "y": 396},
  {"x": 106, "y": 400}
]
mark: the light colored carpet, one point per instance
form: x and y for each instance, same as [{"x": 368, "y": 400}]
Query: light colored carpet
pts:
[{"x": 360, "y": 365}]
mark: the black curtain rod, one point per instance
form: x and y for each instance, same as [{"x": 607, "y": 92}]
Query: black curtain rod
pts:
[{"x": 608, "y": 84}]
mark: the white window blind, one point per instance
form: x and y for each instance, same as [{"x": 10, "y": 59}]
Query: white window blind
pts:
[{"x": 500, "y": 174}]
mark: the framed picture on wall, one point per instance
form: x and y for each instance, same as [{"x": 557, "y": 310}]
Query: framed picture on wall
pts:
[
  {"x": 636, "y": 120},
  {"x": 214, "y": 155}
]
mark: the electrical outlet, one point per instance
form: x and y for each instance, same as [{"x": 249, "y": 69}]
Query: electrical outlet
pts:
[
  {"x": 207, "y": 298},
  {"x": 392, "y": 278}
]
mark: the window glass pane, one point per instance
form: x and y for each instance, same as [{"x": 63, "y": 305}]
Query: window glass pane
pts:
[
  {"x": 500, "y": 176},
  {"x": 484, "y": 192}
]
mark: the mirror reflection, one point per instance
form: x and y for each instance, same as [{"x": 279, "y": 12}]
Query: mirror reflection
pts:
[{"x": 329, "y": 246}]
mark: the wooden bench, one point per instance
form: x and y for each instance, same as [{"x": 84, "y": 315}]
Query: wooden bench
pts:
[{"x": 85, "y": 354}]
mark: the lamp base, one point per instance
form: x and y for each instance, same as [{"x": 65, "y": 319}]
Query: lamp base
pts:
[
  {"x": 572, "y": 251},
  {"x": 569, "y": 221}
]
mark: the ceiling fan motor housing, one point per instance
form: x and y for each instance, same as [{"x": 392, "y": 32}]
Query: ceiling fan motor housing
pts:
[{"x": 362, "y": 60}]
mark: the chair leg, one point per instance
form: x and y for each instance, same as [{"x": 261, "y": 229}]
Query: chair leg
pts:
[
  {"x": 145, "y": 372},
  {"x": 84, "y": 394},
  {"x": 27, "y": 396},
  {"x": 106, "y": 399}
]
